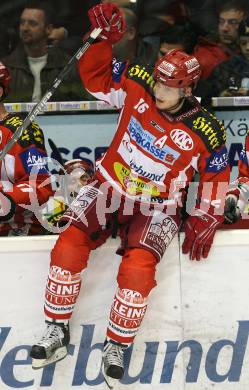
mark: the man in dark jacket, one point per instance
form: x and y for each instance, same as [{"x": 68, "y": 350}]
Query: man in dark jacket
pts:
[
  {"x": 34, "y": 65},
  {"x": 231, "y": 78},
  {"x": 212, "y": 51}
]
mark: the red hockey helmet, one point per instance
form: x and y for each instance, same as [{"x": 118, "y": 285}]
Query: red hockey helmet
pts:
[
  {"x": 85, "y": 166},
  {"x": 75, "y": 174},
  {"x": 4, "y": 77},
  {"x": 177, "y": 69}
]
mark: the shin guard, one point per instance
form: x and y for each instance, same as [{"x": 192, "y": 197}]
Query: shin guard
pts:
[
  {"x": 127, "y": 312},
  {"x": 62, "y": 290}
]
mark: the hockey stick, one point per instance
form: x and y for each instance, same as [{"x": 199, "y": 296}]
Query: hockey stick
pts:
[
  {"x": 41, "y": 104},
  {"x": 55, "y": 151}
]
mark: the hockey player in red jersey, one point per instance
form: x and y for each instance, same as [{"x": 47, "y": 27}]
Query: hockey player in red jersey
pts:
[
  {"x": 162, "y": 137},
  {"x": 238, "y": 196},
  {"x": 16, "y": 184},
  {"x": 72, "y": 176}
]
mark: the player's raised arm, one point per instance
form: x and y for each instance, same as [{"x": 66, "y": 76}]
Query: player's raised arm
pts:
[{"x": 98, "y": 70}]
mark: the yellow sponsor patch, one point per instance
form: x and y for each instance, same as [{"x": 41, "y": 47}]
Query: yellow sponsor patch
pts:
[
  {"x": 14, "y": 121},
  {"x": 132, "y": 184},
  {"x": 140, "y": 73}
]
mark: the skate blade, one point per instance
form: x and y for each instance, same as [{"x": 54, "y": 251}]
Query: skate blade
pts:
[
  {"x": 59, "y": 354},
  {"x": 111, "y": 382}
]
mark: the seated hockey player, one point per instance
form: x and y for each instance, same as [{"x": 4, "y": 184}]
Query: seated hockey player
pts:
[
  {"x": 73, "y": 175},
  {"x": 163, "y": 135},
  {"x": 237, "y": 198},
  {"x": 25, "y": 158}
]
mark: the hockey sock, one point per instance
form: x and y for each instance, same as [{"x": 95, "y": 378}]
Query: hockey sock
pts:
[
  {"x": 127, "y": 312},
  {"x": 62, "y": 290}
]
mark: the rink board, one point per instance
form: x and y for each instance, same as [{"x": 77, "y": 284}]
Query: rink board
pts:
[
  {"x": 92, "y": 134},
  {"x": 194, "y": 335},
  {"x": 94, "y": 125}
]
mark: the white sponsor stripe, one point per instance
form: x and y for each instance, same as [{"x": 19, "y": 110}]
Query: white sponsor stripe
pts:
[
  {"x": 115, "y": 97},
  {"x": 58, "y": 309},
  {"x": 119, "y": 330},
  {"x": 135, "y": 155}
]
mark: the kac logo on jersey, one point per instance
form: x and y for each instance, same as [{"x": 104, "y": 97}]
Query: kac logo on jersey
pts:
[
  {"x": 218, "y": 161},
  {"x": 182, "y": 139},
  {"x": 117, "y": 70},
  {"x": 146, "y": 141},
  {"x": 34, "y": 161}
]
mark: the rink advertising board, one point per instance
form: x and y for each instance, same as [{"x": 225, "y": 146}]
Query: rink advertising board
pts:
[
  {"x": 142, "y": 367},
  {"x": 194, "y": 335},
  {"x": 236, "y": 124},
  {"x": 85, "y": 129},
  {"x": 89, "y": 135}
]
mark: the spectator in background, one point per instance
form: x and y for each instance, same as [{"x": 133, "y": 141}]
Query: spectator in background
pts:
[
  {"x": 171, "y": 12},
  {"x": 211, "y": 52},
  {"x": 34, "y": 65},
  {"x": 11, "y": 11},
  {"x": 130, "y": 47},
  {"x": 231, "y": 78},
  {"x": 69, "y": 28},
  {"x": 230, "y": 16},
  {"x": 126, "y": 48},
  {"x": 180, "y": 37},
  {"x": 202, "y": 14},
  {"x": 156, "y": 16},
  {"x": 25, "y": 158}
]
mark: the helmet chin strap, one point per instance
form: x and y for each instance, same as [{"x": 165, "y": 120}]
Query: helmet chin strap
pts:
[{"x": 177, "y": 106}]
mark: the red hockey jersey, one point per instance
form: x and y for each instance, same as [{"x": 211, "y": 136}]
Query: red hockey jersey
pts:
[
  {"x": 26, "y": 155},
  {"x": 153, "y": 155}
]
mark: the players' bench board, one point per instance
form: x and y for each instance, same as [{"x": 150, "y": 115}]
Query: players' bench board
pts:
[
  {"x": 194, "y": 335},
  {"x": 85, "y": 128}
]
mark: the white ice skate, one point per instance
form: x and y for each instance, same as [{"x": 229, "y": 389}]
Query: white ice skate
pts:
[
  {"x": 113, "y": 362},
  {"x": 52, "y": 347}
]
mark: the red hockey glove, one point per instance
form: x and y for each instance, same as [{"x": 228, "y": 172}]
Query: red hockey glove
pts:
[
  {"x": 199, "y": 233},
  {"x": 7, "y": 207},
  {"x": 108, "y": 17}
]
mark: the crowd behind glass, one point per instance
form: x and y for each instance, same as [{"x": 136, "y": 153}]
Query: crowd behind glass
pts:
[
  {"x": 38, "y": 38},
  {"x": 35, "y": 49}
]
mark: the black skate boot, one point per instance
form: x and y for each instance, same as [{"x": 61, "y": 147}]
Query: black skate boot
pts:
[
  {"x": 52, "y": 346},
  {"x": 113, "y": 362}
]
